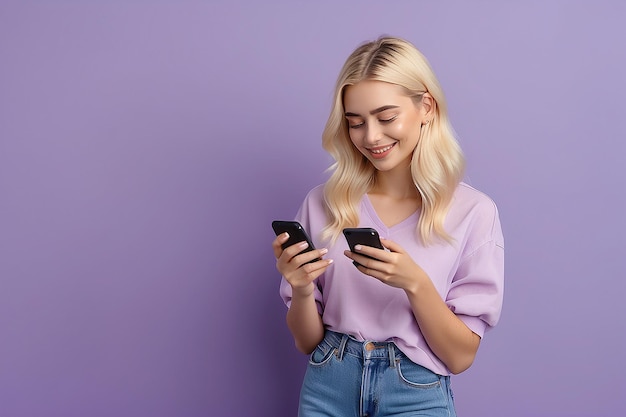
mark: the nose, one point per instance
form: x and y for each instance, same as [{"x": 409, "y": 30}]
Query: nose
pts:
[{"x": 373, "y": 133}]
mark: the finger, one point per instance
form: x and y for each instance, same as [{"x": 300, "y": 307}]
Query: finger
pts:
[
  {"x": 364, "y": 261},
  {"x": 368, "y": 270},
  {"x": 316, "y": 267},
  {"x": 292, "y": 251},
  {"x": 277, "y": 244},
  {"x": 304, "y": 275},
  {"x": 310, "y": 256},
  {"x": 391, "y": 245},
  {"x": 370, "y": 251}
]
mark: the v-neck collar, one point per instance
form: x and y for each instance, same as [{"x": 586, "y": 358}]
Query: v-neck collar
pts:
[{"x": 380, "y": 225}]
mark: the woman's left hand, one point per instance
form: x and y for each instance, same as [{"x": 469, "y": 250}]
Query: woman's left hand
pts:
[{"x": 394, "y": 267}]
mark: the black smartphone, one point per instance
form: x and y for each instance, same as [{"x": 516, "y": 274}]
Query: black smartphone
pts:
[
  {"x": 296, "y": 234},
  {"x": 365, "y": 236}
]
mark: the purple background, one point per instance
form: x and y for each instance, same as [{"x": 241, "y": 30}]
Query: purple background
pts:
[{"x": 145, "y": 148}]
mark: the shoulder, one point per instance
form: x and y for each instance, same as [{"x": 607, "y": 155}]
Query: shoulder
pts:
[
  {"x": 314, "y": 199},
  {"x": 312, "y": 212},
  {"x": 467, "y": 197},
  {"x": 316, "y": 194},
  {"x": 477, "y": 211}
]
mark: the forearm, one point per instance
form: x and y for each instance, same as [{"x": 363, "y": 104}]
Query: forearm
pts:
[
  {"x": 447, "y": 336},
  {"x": 305, "y": 323}
]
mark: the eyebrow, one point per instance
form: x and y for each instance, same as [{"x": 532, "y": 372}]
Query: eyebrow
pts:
[{"x": 373, "y": 112}]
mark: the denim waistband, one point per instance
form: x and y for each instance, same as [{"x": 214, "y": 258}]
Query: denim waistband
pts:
[{"x": 368, "y": 349}]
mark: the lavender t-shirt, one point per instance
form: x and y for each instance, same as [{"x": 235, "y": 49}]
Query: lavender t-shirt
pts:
[{"x": 468, "y": 274}]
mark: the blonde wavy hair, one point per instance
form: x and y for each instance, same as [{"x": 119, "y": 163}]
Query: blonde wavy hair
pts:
[{"x": 437, "y": 165}]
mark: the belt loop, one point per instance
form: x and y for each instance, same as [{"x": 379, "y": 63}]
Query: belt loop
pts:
[
  {"x": 392, "y": 355},
  {"x": 342, "y": 346}
]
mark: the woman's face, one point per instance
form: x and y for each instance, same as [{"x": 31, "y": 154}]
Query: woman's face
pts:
[{"x": 384, "y": 123}]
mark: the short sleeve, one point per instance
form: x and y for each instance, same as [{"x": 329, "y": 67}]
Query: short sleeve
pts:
[{"x": 477, "y": 289}]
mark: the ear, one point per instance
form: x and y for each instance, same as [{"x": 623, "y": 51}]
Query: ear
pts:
[{"x": 428, "y": 107}]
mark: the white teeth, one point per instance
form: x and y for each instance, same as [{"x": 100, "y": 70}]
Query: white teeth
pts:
[{"x": 383, "y": 150}]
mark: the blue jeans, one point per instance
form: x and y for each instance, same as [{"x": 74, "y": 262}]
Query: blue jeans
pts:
[{"x": 348, "y": 378}]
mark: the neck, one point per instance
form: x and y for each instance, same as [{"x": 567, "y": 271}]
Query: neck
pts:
[{"x": 397, "y": 183}]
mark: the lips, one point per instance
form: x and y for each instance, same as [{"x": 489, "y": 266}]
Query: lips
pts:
[{"x": 380, "y": 151}]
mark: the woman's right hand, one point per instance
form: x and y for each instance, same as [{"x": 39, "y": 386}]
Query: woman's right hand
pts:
[{"x": 294, "y": 267}]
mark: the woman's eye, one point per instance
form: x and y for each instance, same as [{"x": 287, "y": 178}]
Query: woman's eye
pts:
[
  {"x": 355, "y": 125},
  {"x": 389, "y": 120}
]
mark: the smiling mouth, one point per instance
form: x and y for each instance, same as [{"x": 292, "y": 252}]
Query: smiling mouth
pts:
[{"x": 381, "y": 150}]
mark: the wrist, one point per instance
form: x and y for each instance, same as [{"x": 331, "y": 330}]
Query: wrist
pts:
[
  {"x": 419, "y": 285},
  {"x": 303, "y": 292}
]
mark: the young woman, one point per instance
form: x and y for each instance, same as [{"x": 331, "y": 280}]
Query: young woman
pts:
[{"x": 386, "y": 328}]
